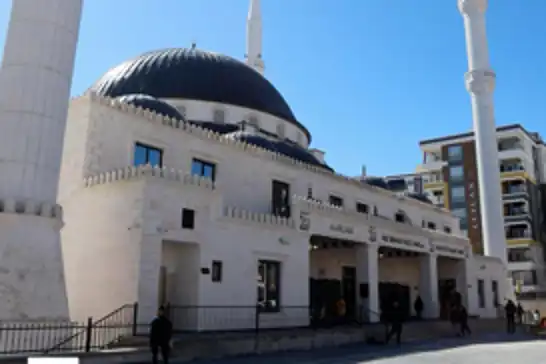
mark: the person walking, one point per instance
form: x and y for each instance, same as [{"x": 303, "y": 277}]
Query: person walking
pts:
[
  {"x": 510, "y": 310},
  {"x": 463, "y": 321},
  {"x": 418, "y": 306},
  {"x": 396, "y": 320},
  {"x": 520, "y": 314},
  {"x": 161, "y": 330}
]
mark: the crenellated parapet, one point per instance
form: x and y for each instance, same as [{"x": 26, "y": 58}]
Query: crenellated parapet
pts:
[
  {"x": 236, "y": 213},
  {"x": 136, "y": 173},
  {"x": 323, "y": 207},
  {"x": 31, "y": 208},
  {"x": 212, "y": 136}
]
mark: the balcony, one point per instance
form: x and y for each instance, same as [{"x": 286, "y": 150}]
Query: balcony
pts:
[
  {"x": 433, "y": 181},
  {"x": 514, "y": 190},
  {"x": 512, "y": 151},
  {"x": 433, "y": 165},
  {"x": 516, "y": 212}
]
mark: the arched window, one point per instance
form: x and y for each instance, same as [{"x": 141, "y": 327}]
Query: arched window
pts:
[
  {"x": 402, "y": 217},
  {"x": 280, "y": 130},
  {"x": 253, "y": 121}
]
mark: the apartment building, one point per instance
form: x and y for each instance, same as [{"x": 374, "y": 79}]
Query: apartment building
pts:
[{"x": 450, "y": 178}]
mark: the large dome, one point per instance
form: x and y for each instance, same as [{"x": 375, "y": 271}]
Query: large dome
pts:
[{"x": 189, "y": 73}]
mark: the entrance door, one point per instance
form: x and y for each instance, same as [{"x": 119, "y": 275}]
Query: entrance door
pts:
[
  {"x": 446, "y": 287},
  {"x": 348, "y": 287}
]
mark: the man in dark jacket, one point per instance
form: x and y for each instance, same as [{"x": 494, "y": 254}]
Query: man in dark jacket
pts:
[
  {"x": 396, "y": 318},
  {"x": 160, "y": 336},
  {"x": 510, "y": 309},
  {"x": 418, "y": 306},
  {"x": 463, "y": 321}
]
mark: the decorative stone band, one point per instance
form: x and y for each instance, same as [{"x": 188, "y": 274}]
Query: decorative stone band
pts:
[
  {"x": 258, "y": 218},
  {"x": 134, "y": 173},
  {"x": 213, "y": 136},
  {"x": 31, "y": 207},
  {"x": 325, "y": 207}
]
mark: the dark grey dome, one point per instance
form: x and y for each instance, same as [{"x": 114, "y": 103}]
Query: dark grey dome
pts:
[
  {"x": 182, "y": 73},
  {"x": 152, "y": 104},
  {"x": 284, "y": 147}
]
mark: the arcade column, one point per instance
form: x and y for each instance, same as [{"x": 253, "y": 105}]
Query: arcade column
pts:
[
  {"x": 367, "y": 272},
  {"x": 428, "y": 286}
]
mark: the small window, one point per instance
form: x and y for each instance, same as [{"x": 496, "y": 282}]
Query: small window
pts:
[
  {"x": 146, "y": 154},
  {"x": 400, "y": 217},
  {"x": 447, "y": 230},
  {"x": 362, "y": 208},
  {"x": 203, "y": 168},
  {"x": 280, "y": 131},
  {"x": 310, "y": 192},
  {"x": 458, "y": 194},
  {"x": 269, "y": 285},
  {"x": 481, "y": 293},
  {"x": 216, "y": 274},
  {"x": 455, "y": 153},
  {"x": 188, "y": 218},
  {"x": 335, "y": 201},
  {"x": 431, "y": 226},
  {"x": 456, "y": 173},
  {"x": 253, "y": 121},
  {"x": 495, "y": 290},
  {"x": 219, "y": 116}
]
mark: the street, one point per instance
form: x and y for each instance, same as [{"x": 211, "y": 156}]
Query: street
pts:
[{"x": 498, "y": 349}]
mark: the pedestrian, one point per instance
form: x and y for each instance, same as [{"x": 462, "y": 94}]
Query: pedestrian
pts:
[
  {"x": 520, "y": 313},
  {"x": 463, "y": 321},
  {"x": 161, "y": 330},
  {"x": 396, "y": 320},
  {"x": 454, "y": 318},
  {"x": 418, "y": 306},
  {"x": 536, "y": 317},
  {"x": 510, "y": 309}
]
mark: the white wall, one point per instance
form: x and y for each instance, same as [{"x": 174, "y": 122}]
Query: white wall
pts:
[{"x": 488, "y": 269}]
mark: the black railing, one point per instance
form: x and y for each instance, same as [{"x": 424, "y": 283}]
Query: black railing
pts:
[{"x": 66, "y": 336}]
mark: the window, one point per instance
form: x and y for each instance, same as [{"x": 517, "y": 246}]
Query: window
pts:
[
  {"x": 455, "y": 153},
  {"x": 188, "y": 218},
  {"x": 219, "y": 116},
  {"x": 460, "y": 213},
  {"x": 203, "y": 169},
  {"x": 481, "y": 293},
  {"x": 525, "y": 277},
  {"x": 362, "y": 208},
  {"x": 495, "y": 290},
  {"x": 253, "y": 122},
  {"x": 336, "y": 201},
  {"x": 182, "y": 110},
  {"x": 280, "y": 131},
  {"x": 447, "y": 230},
  {"x": 456, "y": 173},
  {"x": 516, "y": 255},
  {"x": 458, "y": 194},
  {"x": 216, "y": 274},
  {"x": 145, "y": 154},
  {"x": 299, "y": 138},
  {"x": 400, "y": 216},
  {"x": 269, "y": 279},
  {"x": 280, "y": 203},
  {"x": 310, "y": 192},
  {"x": 431, "y": 226}
]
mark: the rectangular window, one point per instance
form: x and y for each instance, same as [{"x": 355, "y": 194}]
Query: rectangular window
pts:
[
  {"x": 362, "y": 208},
  {"x": 495, "y": 290},
  {"x": 525, "y": 277},
  {"x": 431, "y": 226},
  {"x": 516, "y": 255},
  {"x": 456, "y": 173},
  {"x": 447, "y": 230},
  {"x": 458, "y": 194},
  {"x": 455, "y": 153},
  {"x": 336, "y": 201},
  {"x": 188, "y": 219},
  {"x": 216, "y": 274},
  {"x": 460, "y": 213},
  {"x": 280, "y": 203},
  {"x": 146, "y": 154},
  {"x": 269, "y": 281},
  {"x": 203, "y": 168},
  {"x": 310, "y": 192},
  {"x": 481, "y": 293}
]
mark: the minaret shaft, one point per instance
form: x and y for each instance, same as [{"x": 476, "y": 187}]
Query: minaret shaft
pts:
[
  {"x": 254, "y": 37},
  {"x": 480, "y": 83}
]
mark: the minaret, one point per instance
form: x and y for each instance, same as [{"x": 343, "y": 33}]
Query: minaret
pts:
[
  {"x": 35, "y": 81},
  {"x": 254, "y": 37},
  {"x": 480, "y": 83}
]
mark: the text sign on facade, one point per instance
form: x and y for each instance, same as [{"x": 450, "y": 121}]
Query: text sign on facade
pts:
[{"x": 342, "y": 229}]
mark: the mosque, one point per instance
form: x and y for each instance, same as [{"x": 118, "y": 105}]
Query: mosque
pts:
[{"x": 185, "y": 178}]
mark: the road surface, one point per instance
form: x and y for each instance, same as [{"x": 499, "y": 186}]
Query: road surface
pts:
[{"x": 498, "y": 349}]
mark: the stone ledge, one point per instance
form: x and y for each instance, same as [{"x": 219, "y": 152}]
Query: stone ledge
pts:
[{"x": 31, "y": 208}]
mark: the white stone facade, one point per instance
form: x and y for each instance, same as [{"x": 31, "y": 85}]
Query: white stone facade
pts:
[{"x": 123, "y": 223}]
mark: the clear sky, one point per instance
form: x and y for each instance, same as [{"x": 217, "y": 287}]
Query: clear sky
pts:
[{"x": 369, "y": 78}]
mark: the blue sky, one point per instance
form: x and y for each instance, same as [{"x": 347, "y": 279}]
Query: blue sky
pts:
[{"x": 369, "y": 78}]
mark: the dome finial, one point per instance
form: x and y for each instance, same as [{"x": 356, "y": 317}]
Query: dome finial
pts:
[{"x": 193, "y": 44}]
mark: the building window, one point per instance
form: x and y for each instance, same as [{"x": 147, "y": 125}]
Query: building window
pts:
[
  {"x": 447, "y": 230},
  {"x": 182, "y": 110},
  {"x": 525, "y": 277},
  {"x": 431, "y": 226},
  {"x": 456, "y": 173},
  {"x": 188, "y": 218},
  {"x": 400, "y": 216},
  {"x": 458, "y": 194},
  {"x": 516, "y": 255},
  {"x": 280, "y": 131},
  {"x": 269, "y": 280},
  {"x": 455, "y": 153},
  {"x": 495, "y": 290},
  {"x": 216, "y": 274},
  {"x": 145, "y": 154},
  {"x": 299, "y": 138},
  {"x": 280, "y": 203},
  {"x": 460, "y": 213},
  {"x": 481, "y": 293},
  {"x": 253, "y": 121},
  {"x": 203, "y": 168},
  {"x": 362, "y": 208},
  {"x": 219, "y": 116},
  {"x": 335, "y": 201}
]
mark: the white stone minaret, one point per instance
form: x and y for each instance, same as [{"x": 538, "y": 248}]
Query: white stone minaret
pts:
[
  {"x": 35, "y": 81},
  {"x": 480, "y": 82},
  {"x": 254, "y": 37}
]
